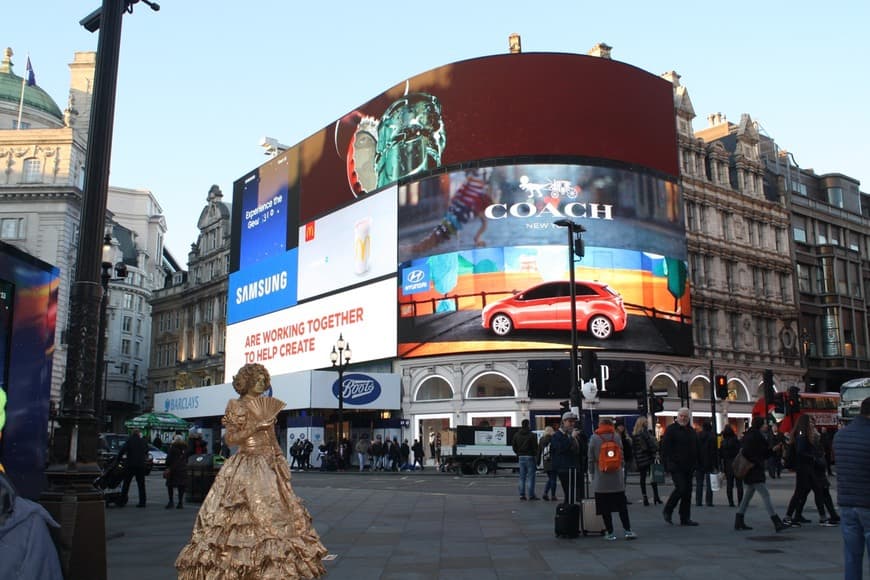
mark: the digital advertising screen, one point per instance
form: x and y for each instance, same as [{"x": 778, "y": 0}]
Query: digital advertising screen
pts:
[
  {"x": 349, "y": 246},
  {"x": 264, "y": 287},
  {"x": 301, "y": 338},
  {"x": 484, "y": 266},
  {"x": 490, "y": 108},
  {"x": 267, "y": 210}
]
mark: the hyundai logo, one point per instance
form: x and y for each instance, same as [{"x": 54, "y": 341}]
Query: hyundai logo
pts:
[
  {"x": 415, "y": 276},
  {"x": 358, "y": 389}
]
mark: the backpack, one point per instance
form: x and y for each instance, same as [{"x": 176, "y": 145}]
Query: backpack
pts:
[
  {"x": 545, "y": 453},
  {"x": 610, "y": 457}
]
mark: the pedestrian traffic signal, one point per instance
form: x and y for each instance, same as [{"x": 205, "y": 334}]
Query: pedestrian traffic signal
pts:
[
  {"x": 721, "y": 387},
  {"x": 767, "y": 384},
  {"x": 656, "y": 404}
]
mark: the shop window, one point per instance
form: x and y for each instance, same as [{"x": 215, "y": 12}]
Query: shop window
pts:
[{"x": 434, "y": 389}]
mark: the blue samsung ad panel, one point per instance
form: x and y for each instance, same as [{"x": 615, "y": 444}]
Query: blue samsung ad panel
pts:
[{"x": 264, "y": 287}]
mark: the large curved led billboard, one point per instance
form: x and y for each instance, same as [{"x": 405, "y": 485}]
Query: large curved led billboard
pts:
[{"x": 471, "y": 164}]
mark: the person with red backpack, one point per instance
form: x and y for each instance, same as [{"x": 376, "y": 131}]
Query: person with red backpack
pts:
[{"x": 607, "y": 468}]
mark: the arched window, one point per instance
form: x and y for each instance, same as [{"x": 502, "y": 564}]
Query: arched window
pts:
[
  {"x": 434, "y": 389},
  {"x": 32, "y": 171},
  {"x": 664, "y": 383},
  {"x": 491, "y": 385}
]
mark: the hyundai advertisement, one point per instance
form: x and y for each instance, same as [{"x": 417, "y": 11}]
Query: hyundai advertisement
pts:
[{"x": 484, "y": 264}]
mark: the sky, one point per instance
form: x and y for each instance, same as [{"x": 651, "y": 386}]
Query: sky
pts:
[{"x": 200, "y": 83}]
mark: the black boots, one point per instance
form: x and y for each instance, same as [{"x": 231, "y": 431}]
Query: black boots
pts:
[
  {"x": 645, "y": 500},
  {"x": 739, "y": 524},
  {"x": 778, "y": 524}
]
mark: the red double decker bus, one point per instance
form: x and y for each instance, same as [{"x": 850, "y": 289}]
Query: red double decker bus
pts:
[{"x": 822, "y": 407}]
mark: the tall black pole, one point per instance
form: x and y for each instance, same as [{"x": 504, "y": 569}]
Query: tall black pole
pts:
[
  {"x": 71, "y": 498},
  {"x": 713, "y": 398},
  {"x": 574, "y": 395}
]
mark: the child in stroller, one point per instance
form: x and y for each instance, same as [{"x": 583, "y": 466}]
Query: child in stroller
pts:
[{"x": 110, "y": 481}]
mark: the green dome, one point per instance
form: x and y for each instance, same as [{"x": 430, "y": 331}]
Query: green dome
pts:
[{"x": 34, "y": 97}]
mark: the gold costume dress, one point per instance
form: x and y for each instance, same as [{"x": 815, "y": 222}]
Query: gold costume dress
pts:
[{"x": 251, "y": 525}]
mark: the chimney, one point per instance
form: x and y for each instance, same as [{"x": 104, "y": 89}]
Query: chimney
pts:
[
  {"x": 672, "y": 77},
  {"x": 600, "y": 50},
  {"x": 515, "y": 43}
]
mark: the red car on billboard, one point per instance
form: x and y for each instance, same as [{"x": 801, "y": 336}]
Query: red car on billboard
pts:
[{"x": 547, "y": 306}]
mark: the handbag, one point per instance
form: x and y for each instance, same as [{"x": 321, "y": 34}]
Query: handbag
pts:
[
  {"x": 714, "y": 481},
  {"x": 741, "y": 466},
  {"x": 658, "y": 473}
]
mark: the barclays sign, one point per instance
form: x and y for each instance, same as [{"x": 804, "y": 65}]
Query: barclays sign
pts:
[
  {"x": 181, "y": 404},
  {"x": 358, "y": 389}
]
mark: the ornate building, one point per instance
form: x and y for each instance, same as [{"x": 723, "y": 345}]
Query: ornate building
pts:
[
  {"x": 43, "y": 158},
  {"x": 189, "y": 312}
]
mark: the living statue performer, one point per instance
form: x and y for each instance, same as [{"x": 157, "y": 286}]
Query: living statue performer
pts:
[{"x": 251, "y": 524}]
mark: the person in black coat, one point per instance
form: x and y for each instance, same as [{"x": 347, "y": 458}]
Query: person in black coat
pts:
[
  {"x": 727, "y": 452},
  {"x": 645, "y": 451},
  {"x": 756, "y": 450},
  {"x": 679, "y": 451},
  {"x": 176, "y": 471},
  {"x": 135, "y": 453},
  {"x": 706, "y": 463}
]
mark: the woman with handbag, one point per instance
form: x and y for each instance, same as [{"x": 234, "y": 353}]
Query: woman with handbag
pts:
[
  {"x": 727, "y": 452},
  {"x": 645, "y": 451},
  {"x": 756, "y": 450}
]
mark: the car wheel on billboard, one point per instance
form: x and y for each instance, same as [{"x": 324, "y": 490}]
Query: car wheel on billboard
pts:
[
  {"x": 600, "y": 327},
  {"x": 502, "y": 324}
]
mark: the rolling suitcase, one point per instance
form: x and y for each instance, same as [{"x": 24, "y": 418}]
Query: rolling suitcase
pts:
[
  {"x": 568, "y": 513},
  {"x": 592, "y": 522}
]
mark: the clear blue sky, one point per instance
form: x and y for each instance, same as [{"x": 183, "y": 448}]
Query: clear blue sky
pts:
[{"x": 201, "y": 82}]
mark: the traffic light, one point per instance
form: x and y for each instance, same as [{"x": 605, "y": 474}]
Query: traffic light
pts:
[
  {"x": 767, "y": 383},
  {"x": 721, "y": 387},
  {"x": 656, "y": 404},
  {"x": 683, "y": 390},
  {"x": 793, "y": 402},
  {"x": 579, "y": 247}
]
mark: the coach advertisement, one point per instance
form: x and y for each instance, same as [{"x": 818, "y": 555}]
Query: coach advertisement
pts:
[{"x": 484, "y": 266}]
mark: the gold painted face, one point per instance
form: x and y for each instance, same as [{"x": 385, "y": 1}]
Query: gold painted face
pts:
[{"x": 259, "y": 386}]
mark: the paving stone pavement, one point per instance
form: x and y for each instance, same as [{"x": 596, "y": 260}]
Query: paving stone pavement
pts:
[{"x": 432, "y": 525}]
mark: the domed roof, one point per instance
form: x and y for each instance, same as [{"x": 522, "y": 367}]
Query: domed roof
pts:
[{"x": 34, "y": 97}]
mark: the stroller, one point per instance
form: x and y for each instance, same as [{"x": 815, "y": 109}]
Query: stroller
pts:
[{"x": 110, "y": 482}]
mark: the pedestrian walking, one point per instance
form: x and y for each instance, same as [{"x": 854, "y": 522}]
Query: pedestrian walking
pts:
[
  {"x": 851, "y": 447},
  {"x": 545, "y": 461},
  {"x": 810, "y": 475},
  {"x": 680, "y": 453},
  {"x": 176, "y": 471},
  {"x": 727, "y": 452},
  {"x": 525, "y": 445},
  {"x": 755, "y": 448},
  {"x": 707, "y": 461},
  {"x": 362, "y": 451},
  {"x": 775, "y": 440},
  {"x": 607, "y": 469},
  {"x": 417, "y": 448},
  {"x": 134, "y": 452},
  {"x": 645, "y": 451}
]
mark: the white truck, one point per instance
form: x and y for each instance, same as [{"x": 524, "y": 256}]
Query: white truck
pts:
[{"x": 483, "y": 450}]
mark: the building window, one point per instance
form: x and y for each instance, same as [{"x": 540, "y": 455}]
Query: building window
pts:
[
  {"x": 205, "y": 344},
  {"x": 434, "y": 389},
  {"x": 835, "y": 196},
  {"x": 32, "y": 172},
  {"x": 124, "y": 369},
  {"x": 137, "y": 349},
  {"x": 125, "y": 346},
  {"x": 491, "y": 385},
  {"x": 139, "y": 327},
  {"x": 803, "y": 273},
  {"x": 12, "y": 228},
  {"x": 128, "y": 301},
  {"x": 127, "y": 323}
]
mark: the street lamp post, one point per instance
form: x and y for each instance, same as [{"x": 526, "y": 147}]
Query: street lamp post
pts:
[
  {"x": 71, "y": 497},
  {"x": 120, "y": 272},
  {"x": 575, "y": 247},
  {"x": 340, "y": 357}
]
